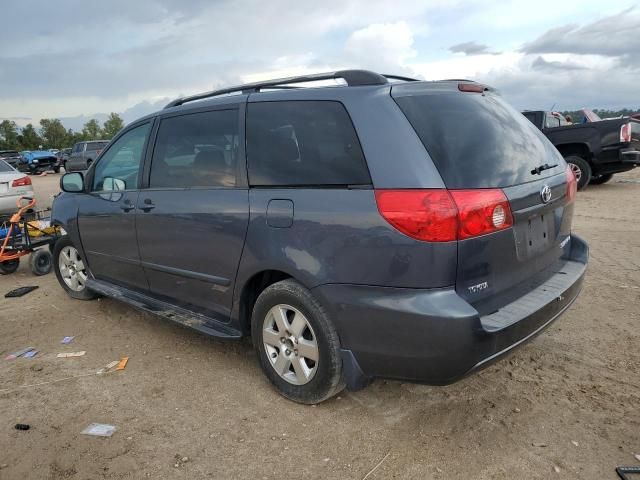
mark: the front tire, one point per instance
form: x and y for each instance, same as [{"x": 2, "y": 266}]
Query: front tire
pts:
[
  {"x": 581, "y": 169},
  {"x": 600, "y": 179},
  {"x": 297, "y": 344},
  {"x": 9, "y": 266},
  {"x": 70, "y": 270}
]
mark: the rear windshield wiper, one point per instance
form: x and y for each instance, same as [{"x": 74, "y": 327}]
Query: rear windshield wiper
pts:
[{"x": 542, "y": 168}]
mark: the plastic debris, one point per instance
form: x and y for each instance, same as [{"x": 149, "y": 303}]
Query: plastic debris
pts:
[
  {"x": 107, "y": 367},
  {"x": 637, "y": 456},
  {"x": 123, "y": 363},
  {"x": 71, "y": 354},
  {"x": 99, "y": 430},
  {"x": 67, "y": 340},
  {"x": 539, "y": 444},
  {"x": 22, "y": 426},
  {"x": 31, "y": 354},
  {"x": 19, "y": 353},
  {"x": 18, "y": 292}
]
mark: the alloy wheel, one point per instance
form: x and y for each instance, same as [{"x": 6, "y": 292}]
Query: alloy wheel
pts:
[
  {"x": 290, "y": 344},
  {"x": 576, "y": 171},
  {"x": 72, "y": 268}
]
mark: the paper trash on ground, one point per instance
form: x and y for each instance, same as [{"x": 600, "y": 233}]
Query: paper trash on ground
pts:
[
  {"x": 99, "y": 430},
  {"x": 71, "y": 354}
]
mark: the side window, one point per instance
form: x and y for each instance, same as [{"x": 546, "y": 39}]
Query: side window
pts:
[
  {"x": 196, "y": 150},
  {"x": 303, "y": 143},
  {"x": 551, "y": 121},
  {"x": 118, "y": 168}
]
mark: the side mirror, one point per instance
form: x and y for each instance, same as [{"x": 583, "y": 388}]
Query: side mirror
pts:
[
  {"x": 110, "y": 184},
  {"x": 72, "y": 182}
]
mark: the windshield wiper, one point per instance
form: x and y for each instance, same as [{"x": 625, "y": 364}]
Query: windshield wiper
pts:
[{"x": 542, "y": 168}]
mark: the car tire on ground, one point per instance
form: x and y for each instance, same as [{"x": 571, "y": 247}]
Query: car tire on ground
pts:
[
  {"x": 70, "y": 270},
  {"x": 40, "y": 261},
  {"x": 9, "y": 266},
  {"x": 56, "y": 169},
  {"x": 297, "y": 344},
  {"x": 600, "y": 179},
  {"x": 581, "y": 169}
]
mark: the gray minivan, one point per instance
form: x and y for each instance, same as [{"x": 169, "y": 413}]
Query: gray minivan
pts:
[
  {"x": 381, "y": 228},
  {"x": 83, "y": 154}
]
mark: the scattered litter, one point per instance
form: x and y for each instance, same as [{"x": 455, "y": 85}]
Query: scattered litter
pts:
[
  {"x": 99, "y": 430},
  {"x": 71, "y": 354},
  {"x": 123, "y": 363},
  {"x": 31, "y": 354},
  {"x": 575, "y": 444},
  {"x": 107, "y": 367},
  {"x": 22, "y": 426},
  {"x": 67, "y": 340},
  {"x": 517, "y": 410},
  {"x": 556, "y": 469},
  {"x": 18, "y": 292},
  {"x": 621, "y": 471},
  {"x": 539, "y": 444},
  {"x": 185, "y": 459},
  {"x": 637, "y": 456},
  {"x": 19, "y": 353}
]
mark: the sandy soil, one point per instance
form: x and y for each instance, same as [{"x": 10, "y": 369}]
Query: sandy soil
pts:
[{"x": 563, "y": 406}]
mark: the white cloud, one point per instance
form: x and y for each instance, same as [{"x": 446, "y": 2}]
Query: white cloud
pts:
[{"x": 387, "y": 44}]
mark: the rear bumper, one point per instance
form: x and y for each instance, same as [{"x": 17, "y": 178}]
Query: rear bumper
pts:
[{"x": 434, "y": 336}]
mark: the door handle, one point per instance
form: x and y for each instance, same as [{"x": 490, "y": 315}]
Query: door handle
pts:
[
  {"x": 147, "y": 205},
  {"x": 127, "y": 206}
]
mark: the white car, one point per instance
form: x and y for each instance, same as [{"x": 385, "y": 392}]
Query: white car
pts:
[{"x": 13, "y": 185}]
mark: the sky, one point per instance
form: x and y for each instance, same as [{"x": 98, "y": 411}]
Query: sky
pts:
[{"x": 74, "y": 59}]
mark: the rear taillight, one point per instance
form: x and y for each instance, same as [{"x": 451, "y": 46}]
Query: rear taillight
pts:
[
  {"x": 625, "y": 133},
  {"x": 472, "y": 87},
  {"x": 445, "y": 215},
  {"x": 428, "y": 215},
  {"x": 481, "y": 212},
  {"x": 21, "y": 182},
  {"x": 572, "y": 184}
]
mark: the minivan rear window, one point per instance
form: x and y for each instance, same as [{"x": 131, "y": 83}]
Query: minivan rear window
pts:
[
  {"x": 478, "y": 140},
  {"x": 92, "y": 146},
  {"x": 291, "y": 143}
]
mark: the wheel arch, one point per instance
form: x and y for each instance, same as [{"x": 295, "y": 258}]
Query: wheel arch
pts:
[{"x": 578, "y": 149}]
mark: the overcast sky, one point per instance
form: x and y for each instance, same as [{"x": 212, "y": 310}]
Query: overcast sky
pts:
[{"x": 76, "y": 58}]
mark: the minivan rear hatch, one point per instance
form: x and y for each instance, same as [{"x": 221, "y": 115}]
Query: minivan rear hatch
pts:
[{"x": 479, "y": 142}]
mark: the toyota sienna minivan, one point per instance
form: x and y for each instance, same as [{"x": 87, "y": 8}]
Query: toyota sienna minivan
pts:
[{"x": 379, "y": 227}]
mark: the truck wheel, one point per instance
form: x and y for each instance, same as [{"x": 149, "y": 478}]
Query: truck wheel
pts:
[
  {"x": 9, "y": 266},
  {"x": 40, "y": 262},
  {"x": 56, "y": 169},
  {"x": 581, "y": 169},
  {"x": 70, "y": 270},
  {"x": 600, "y": 179},
  {"x": 297, "y": 344}
]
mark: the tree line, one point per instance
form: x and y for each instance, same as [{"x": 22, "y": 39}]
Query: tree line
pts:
[{"x": 52, "y": 133}]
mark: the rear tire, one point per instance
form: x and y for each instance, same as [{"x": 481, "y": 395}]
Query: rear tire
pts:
[
  {"x": 56, "y": 169},
  {"x": 297, "y": 344},
  {"x": 9, "y": 266},
  {"x": 40, "y": 262},
  {"x": 600, "y": 179},
  {"x": 70, "y": 270},
  {"x": 581, "y": 169}
]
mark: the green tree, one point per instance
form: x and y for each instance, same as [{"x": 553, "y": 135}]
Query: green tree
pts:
[
  {"x": 71, "y": 138},
  {"x": 53, "y": 133},
  {"x": 9, "y": 135},
  {"x": 29, "y": 138},
  {"x": 112, "y": 125},
  {"x": 92, "y": 130}
]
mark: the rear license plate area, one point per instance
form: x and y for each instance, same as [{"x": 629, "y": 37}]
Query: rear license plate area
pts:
[{"x": 534, "y": 235}]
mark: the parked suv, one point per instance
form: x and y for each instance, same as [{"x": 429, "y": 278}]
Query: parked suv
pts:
[
  {"x": 410, "y": 230},
  {"x": 83, "y": 154}
]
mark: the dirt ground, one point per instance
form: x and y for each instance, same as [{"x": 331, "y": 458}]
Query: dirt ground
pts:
[{"x": 565, "y": 405}]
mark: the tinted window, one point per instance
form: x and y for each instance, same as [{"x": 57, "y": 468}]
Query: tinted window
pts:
[
  {"x": 118, "y": 168},
  {"x": 77, "y": 147},
  {"x": 93, "y": 146},
  {"x": 303, "y": 143},
  {"x": 479, "y": 141},
  {"x": 4, "y": 167},
  {"x": 196, "y": 150}
]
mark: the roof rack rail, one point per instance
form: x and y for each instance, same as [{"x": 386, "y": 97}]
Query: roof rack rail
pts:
[
  {"x": 352, "y": 77},
  {"x": 398, "y": 77}
]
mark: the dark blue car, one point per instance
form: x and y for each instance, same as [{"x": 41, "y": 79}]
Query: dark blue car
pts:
[{"x": 384, "y": 227}]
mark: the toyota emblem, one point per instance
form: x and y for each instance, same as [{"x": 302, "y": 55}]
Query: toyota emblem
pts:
[{"x": 545, "y": 194}]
